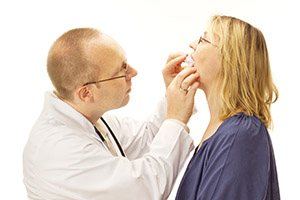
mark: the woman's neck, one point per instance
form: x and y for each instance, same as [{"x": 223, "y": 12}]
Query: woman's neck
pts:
[{"x": 214, "y": 104}]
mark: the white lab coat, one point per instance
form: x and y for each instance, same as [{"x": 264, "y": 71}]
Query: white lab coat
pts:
[{"x": 65, "y": 159}]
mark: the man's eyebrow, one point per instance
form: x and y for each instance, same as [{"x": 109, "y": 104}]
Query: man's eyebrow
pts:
[{"x": 124, "y": 63}]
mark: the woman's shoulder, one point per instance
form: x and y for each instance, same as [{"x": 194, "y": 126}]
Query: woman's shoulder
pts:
[{"x": 244, "y": 127}]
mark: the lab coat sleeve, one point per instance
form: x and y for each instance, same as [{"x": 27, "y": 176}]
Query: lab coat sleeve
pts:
[
  {"x": 79, "y": 170},
  {"x": 136, "y": 136}
]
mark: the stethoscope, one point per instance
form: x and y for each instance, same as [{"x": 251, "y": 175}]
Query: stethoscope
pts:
[{"x": 112, "y": 134}]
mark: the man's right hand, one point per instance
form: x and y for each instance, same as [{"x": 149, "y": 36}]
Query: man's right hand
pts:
[
  {"x": 180, "y": 95},
  {"x": 172, "y": 67}
]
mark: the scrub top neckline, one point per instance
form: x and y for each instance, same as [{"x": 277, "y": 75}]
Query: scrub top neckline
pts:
[{"x": 214, "y": 135}]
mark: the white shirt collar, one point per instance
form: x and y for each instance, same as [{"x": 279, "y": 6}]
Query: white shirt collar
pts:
[{"x": 66, "y": 113}]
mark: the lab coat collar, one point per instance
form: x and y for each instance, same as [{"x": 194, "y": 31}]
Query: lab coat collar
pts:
[{"x": 67, "y": 114}]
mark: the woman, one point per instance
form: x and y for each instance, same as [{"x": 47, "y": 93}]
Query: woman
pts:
[{"x": 234, "y": 160}]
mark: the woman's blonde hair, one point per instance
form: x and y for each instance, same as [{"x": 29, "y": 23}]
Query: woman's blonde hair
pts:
[{"x": 245, "y": 80}]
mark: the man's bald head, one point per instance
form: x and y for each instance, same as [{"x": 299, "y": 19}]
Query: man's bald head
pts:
[{"x": 69, "y": 64}]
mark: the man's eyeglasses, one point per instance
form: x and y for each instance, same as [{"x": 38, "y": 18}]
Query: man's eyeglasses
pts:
[{"x": 125, "y": 69}]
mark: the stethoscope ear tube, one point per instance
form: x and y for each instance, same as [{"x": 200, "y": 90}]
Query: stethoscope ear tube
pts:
[{"x": 114, "y": 137}]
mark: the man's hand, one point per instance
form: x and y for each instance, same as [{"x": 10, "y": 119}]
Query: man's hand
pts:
[
  {"x": 172, "y": 67},
  {"x": 180, "y": 95}
]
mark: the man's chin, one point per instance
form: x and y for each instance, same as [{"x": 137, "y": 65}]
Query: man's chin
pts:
[{"x": 125, "y": 100}]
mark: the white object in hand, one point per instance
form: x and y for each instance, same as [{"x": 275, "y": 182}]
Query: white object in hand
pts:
[{"x": 188, "y": 62}]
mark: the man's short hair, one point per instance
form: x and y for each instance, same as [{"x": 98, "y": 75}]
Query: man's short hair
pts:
[{"x": 68, "y": 65}]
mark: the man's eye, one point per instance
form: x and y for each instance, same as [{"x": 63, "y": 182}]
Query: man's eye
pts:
[{"x": 125, "y": 66}]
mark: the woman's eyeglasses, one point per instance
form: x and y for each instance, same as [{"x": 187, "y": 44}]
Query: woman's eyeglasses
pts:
[{"x": 201, "y": 40}]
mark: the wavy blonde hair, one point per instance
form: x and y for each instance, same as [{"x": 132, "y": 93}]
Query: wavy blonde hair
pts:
[{"x": 245, "y": 81}]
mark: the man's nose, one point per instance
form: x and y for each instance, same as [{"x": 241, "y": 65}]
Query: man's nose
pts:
[{"x": 132, "y": 72}]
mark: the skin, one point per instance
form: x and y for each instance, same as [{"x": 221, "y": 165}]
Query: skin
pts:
[
  {"x": 94, "y": 100},
  {"x": 207, "y": 63}
]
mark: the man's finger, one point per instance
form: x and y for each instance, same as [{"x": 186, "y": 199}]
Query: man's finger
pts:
[
  {"x": 176, "y": 61},
  {"x": 183, "y": 74},
  {"x": 174, "y": 55},
  {"x": 189, "y": 80},
  {"x": 193, "y": 89}
]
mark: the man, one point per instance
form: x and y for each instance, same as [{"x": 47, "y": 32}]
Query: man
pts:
[{"x": 76, "y": 150}]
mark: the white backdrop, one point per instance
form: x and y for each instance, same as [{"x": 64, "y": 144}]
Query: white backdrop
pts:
[{"x": 148, "y": 31}]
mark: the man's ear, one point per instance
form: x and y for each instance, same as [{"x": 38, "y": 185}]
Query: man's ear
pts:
[{"x": 85, "y": 94}]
